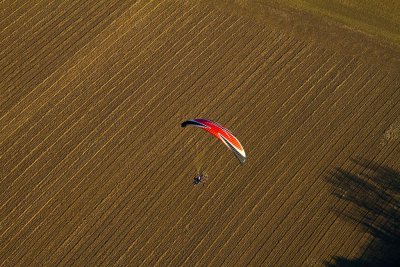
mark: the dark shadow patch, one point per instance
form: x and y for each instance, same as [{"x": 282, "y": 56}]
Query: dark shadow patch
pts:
[{"x": 374, "y": 198}]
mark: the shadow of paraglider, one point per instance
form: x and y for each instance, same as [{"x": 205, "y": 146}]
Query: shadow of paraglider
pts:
[{"x": 374, "y": 198}]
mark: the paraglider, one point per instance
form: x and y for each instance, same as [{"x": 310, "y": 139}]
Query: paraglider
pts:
[{"x": 222, "y": 134}]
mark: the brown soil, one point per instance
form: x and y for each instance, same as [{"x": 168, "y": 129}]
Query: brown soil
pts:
[{"x": 96, "y": 170}]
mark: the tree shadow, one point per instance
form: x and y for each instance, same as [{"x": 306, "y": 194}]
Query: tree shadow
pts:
[{"x": 374, "y": 204}]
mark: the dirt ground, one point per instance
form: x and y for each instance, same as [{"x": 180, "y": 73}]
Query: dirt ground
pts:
[
  {"x": 96, "y": 170},
  {"x": 375, "y": 18}
]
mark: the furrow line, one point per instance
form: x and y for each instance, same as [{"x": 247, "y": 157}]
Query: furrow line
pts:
[
  {"x": 336, "y": 142},
  {"x": 321, "y": 134},
  {"x": 285, "y": 138},
  {"x": 72, "y": 69},
  {"x": 371, "y": 145},
  {"x": 211, "y": 182},
  {"x": 76, "y": 112},
  {"x": 281, "y": 106},
  {"x": 28, "y": 31},
  {"x": 85, "y": 142},
  {"x": 296, "y": 51},
  {"x": 42, "y": 71}
]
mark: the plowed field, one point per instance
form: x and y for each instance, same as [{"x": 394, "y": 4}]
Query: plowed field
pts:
[{"x": 96, "y": 170}]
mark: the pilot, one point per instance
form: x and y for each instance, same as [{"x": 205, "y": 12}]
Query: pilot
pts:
[
  {"x": 197, "y": 179},
  {"x": 202, "y": 177}
]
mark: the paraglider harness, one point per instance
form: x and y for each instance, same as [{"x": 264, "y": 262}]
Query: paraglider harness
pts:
[{"x": 199, "y": 178}]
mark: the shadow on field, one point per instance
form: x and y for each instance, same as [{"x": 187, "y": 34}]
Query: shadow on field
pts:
[{"x": 374, "y": 205}]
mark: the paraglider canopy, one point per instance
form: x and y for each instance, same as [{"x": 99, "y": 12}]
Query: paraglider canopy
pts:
[{"x": 222, "y": 134}]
